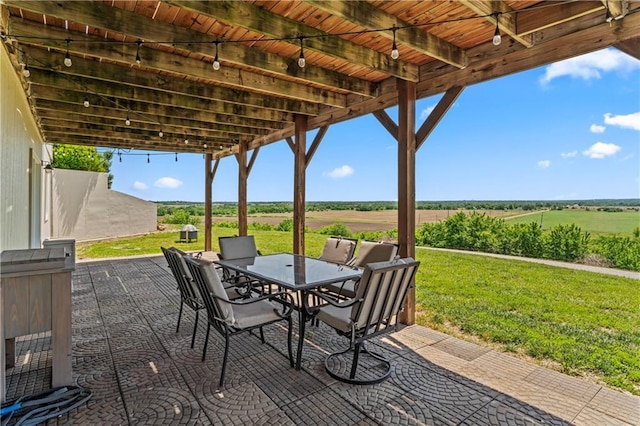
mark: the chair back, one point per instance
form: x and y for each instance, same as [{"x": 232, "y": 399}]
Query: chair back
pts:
[
  {"x": 237, "y": 247},
  {"x": 208, "y": 284},
  {"x": 175, "y": 259},
  {"x": 338, "y": 250},
  {"x": 371, "y": 251},
  {"x": 382, "y": 291}
]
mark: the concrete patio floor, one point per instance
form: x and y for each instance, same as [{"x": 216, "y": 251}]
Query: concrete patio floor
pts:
[{"x": 140, "y": 371}]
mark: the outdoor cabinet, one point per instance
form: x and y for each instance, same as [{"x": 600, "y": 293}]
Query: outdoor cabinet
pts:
[{"x": 35, "y": 296}]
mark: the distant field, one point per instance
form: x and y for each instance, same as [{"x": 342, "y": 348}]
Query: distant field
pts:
[
  {"x": 363, "y": 221},
  {"x": 595, "y": 222}
]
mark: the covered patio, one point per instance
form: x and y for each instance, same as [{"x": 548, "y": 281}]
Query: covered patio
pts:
[{"x": 141, "y": 371}]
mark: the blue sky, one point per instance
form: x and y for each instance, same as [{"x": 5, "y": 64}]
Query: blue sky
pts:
[{"x": 567, "y": 131}]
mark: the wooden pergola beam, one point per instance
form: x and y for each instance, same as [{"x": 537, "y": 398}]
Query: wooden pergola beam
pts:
[
  {"x": 368, "y": 16},
  {"x": 506, "y": 17},
  {"x": 299, "y": 183},
  {"x": 99, "y": 15},
  {"x": 436, "y": 115},
  {"x": 254, "y": 18},
  {"x": 407, "y": 184},
  {"x": 530, "y": 21}
]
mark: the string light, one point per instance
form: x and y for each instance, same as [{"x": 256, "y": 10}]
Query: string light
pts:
[
  {"x": 216, "y": 63},
  {"x": 161, "y": 133},
  {"x": 67, "y": 58},
  {"x": 301, "y": 61},
  {"x": 138, "y": 60},
  {"x": 394, "y": 48},
  {"x": 497, "y": 39},
  {"x": 120, "y": 157},
  {"x": 26, "y": 72},
  {"x": 148, "y": 159},
  {"x": 127, "y": 121},
  {"x": 176, "y": 157},
  {"x": 186, "y": 141},
  {"x": 86, "y": 102}
]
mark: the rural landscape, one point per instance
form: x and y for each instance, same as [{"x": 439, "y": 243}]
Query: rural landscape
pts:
[{"x": 577, "y": 322}]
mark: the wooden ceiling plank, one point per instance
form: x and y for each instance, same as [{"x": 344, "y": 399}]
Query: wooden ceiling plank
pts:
[
  {"x": 113, "y": 19},
  {"x": 368, "y": 16},
  {"x": 153, "y": 111},
  {"x": 507, "y": 18},
  {"x": 192, "y": 93},
  {"x": 167, "y": 128},
  {"x": 124, "y": 145},
  {"x": 262, "y": 21},
  {"x": 530, "y": 21},
  {"x": 162, "y": 61},
  {"x": 168, "y": 117}
]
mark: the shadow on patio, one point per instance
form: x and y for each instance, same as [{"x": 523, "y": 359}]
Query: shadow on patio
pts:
[{"x": 127, "y": 352}]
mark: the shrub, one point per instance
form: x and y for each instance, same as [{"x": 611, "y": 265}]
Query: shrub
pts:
[
  {"x": 182, "y": 217},
  {"x": 566, "y": 242},
  {"x": 338, "y": 229},
  {"x": 226, "y": 224},
  {"x": 622, "y": 252},
  {"x": 285, "y": 226},
  {"x": 260, "y": 226}
]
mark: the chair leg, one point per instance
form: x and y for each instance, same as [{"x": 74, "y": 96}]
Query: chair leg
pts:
[
  {"x": 206, "y": 341},
  {"x": 224, "y": 360},
  {"x": 179, "y": 315},
  {"x": 195, "y": 327},
  {"x": 262, "y": 335},
  {"x": 354, "y": 364}
]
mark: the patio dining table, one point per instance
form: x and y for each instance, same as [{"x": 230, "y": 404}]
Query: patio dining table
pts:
[{"x": 296, "y": 273}]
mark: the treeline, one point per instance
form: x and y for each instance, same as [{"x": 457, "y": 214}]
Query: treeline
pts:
[{"x": 231, "y": 208}]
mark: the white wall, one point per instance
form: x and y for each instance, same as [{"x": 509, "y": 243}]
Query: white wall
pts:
[
  {"x": 20, "y": 168},
  {"x": 85, "y": 209}
]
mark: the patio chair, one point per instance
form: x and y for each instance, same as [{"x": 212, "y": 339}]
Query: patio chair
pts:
[
  {"x": 369, "y": 252},
  {"x": 188, "y": 293},
  {"x": 238, "y": 247},
  {"x": 338, "y": 249},
  {"x": 373, "y": 312},
  {"x": 231, "y": 317}
]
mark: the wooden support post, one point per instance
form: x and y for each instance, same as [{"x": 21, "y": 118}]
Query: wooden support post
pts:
[
  {"x": 241, "y": 156},
  {"x": 407, "y": 183},
  {"x": 208, "y": 184},
  {"x": 299, "y": 182}
]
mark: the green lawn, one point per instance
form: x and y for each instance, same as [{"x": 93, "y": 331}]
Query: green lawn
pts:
[
  {"x": 597, "y": 223},
  {"x": 585, "y": 323}
]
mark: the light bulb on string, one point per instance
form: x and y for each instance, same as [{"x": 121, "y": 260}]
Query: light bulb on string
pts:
[
  {"x": 120, "y": 157},
  {"x": 86, "y": 102},
  {"x": 148, "y": 159},
  {"x": 497, "y": 39},
  {"x": 301, "y": 61},
  {"x": 216, "y": 62},
  {"x": 394, "y": 48},
  {"x": 138, "y": 60},
  {"x": 176, "y": 157},
  {"x": 160, "y": 133},
  {"x": 67, "y": 58},
  {"x": 127, "y": 121},
  {"x": 186, "y": 141},
  {"x": 26, "y": 72}
]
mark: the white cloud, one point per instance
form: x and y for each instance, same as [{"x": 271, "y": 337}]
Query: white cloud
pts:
[
  {"x": 629, "y": 121},
  {"x": 139, "y": 185},
  {"x": 568, "y": 154},
  {"x": 544, "y": 164},
  {"x": 340, "y": 172},
  {"x": 168, "y": 182},
  {"x": 425, "y": 112},
  {"x": 597, "y": 129},
  {"x": 600, "y": 150},
  {"x": 591, "y": 65}
]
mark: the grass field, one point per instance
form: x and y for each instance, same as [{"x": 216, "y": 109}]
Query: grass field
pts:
[
  {"x": 595, "y": 222},
  {"x": 580, "y": 323}
]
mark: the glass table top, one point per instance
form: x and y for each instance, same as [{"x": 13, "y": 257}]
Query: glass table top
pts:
[{"x": 292, "y": 271}]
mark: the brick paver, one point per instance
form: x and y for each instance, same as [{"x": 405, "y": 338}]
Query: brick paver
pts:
[{"x": 141, "y": 371}]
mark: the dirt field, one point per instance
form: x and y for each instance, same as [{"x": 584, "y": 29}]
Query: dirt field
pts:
[{"x": 362, "y": 221}]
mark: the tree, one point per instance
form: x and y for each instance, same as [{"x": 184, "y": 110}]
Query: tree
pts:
[{"x": 73, "y": 157}]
